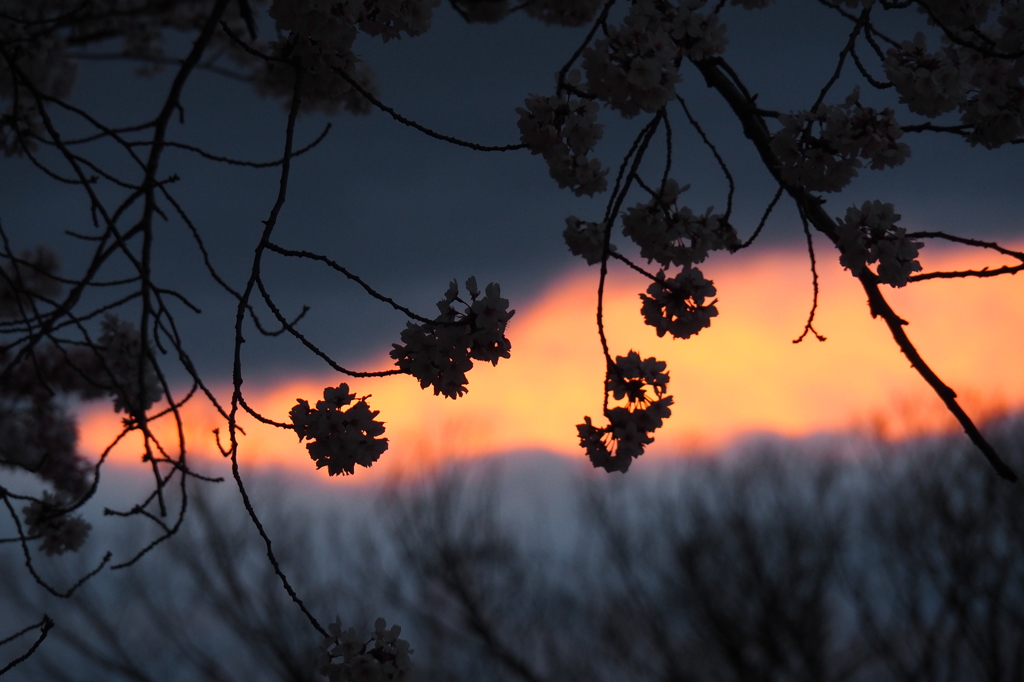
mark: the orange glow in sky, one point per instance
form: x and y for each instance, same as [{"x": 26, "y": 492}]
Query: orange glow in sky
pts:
[{"x": 741, "y": 376}]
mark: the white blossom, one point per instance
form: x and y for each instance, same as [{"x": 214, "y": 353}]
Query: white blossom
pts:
[
  {"x": 391, "y": 18},
  {"x": 40, "y": 60},
  {"x": 673, "y": 235},
  {"x": 60, "y": 532},
  {"x": 635, "y": 66},
  {"x": 127, "y": 370},
  {"x": 339, "y": 439},
  {"x": 319, "y": 38},
  {"x": 995, "y": 105},
  {"x": 563, "y": 12},
  {"x": 564, "y": 131},
  {"x": 631, "y": 375},
  {"x": 929, "y": 84},
  {"x": 1010, "y": 32},
  {"x": 868, "y": 235},
  {"x": 699, "y": 35},
  {"x": 585, "y": 239},
  {"x": 822, "y": 150},
  {"x": 439, "y": 353},
  {"x": 615, "y": 446},
  {"x": 677, "y": 306},
  {"x": 380, "y": 657}
]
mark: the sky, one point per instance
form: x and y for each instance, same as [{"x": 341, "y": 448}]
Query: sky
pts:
[
  {"x": 410, "y": 213},
  {"x": 742, "y": 379}
]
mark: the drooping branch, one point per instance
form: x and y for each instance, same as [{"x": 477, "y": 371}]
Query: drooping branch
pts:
[{"x": 756, "y": 130}]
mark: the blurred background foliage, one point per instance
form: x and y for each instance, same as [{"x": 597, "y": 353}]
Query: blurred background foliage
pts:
[{"x": 783, "y": 561}]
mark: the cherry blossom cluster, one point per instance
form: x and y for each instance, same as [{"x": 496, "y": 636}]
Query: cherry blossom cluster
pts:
[
  {"x": 563, "y": 12},
  {"x": 981, "y": 73},
  {"x": 615, "y": 446},
  {"x": 440, "y": 352},
  {"x": 994, "y": 107},
  {"x": 60, "y": 532},
  {"x": 319, "y": 44},
  {"x": 676, "y": 305},
  {"x": 869, "y": 234},
  {"x": 347, "y": 657},
  {"x": 564, "y": 130},
  {"x": 320, "y": 36},
  {"x": 385, "y": 18},
  {"x": 673, "y": 235},
  {"x": 339, "y": 439},
  {"x": 930, "y": 84},
  {"x": 585, "y": 239},
  {"x": 128, "y": 372},
  {"x": 822, "y": 150},
  {"x": 635, "y": 66}
]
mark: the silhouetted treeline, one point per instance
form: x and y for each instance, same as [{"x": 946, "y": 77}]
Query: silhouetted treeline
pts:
[{"x": 785, "y": 562}]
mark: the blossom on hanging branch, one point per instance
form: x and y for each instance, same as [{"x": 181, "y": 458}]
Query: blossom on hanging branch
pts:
[
  {"x": 869, "y": 235},
  {"x": 642, "y": 385},
  {"x": 440, "y": 352},
  {"x": 339, "y": 439},
  {"x": 564, "y": 131},
  {"x": 347, "y": 657},
  {"x": 635, "y": 67},
  {"x": 674, "y": 235},
  {"x": 677, "y": 306}
]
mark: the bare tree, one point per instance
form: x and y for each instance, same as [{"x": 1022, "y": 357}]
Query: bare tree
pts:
[
  {"x": 777, "y": 564},
  {"x": 946, "y": 544},
  {"x": 212, "y": 609}
]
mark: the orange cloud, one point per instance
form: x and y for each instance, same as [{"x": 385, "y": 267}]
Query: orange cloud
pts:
[{"x": 743, "y": 375}]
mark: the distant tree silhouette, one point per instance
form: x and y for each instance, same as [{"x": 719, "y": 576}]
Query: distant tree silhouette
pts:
[
  {"x": 945, "y": 68},
  {"x": 775, "y": 564}
]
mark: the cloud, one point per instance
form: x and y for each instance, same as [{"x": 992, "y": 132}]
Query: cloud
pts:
[{"x": 742, "y": 376}]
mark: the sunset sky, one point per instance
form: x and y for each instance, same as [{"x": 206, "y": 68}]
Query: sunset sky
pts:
[
  {"x": 741, "y": 377},
  {"x": 409, "y": 213}
]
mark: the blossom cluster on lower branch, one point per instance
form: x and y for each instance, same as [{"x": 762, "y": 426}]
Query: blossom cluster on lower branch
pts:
[
  {"x": 615, "y": 446},
  {"x": 345, "y": 656},
  {"x": 339, "y": 439}
]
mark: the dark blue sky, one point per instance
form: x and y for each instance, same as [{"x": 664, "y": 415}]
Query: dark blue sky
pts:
[{"x": 410, "y": 213}]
